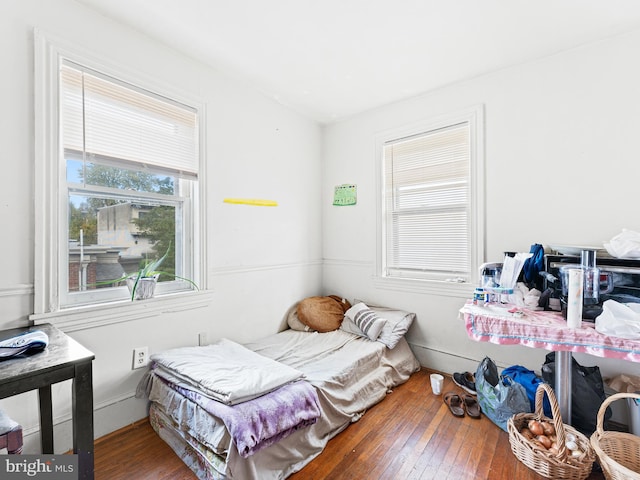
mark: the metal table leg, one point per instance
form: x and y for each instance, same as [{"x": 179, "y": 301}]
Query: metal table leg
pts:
[{"x": 563, "y": 384}]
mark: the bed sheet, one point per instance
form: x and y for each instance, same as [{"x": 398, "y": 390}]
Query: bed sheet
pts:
[
  {"x": 350, "y": 372},
  {"x": 206, "y": 464}
]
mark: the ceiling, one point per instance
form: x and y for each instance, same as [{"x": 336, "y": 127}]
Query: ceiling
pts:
[{"x": 330, "y": 59}]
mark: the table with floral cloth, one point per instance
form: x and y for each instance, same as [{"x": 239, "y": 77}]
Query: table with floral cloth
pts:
[{"x": 505, "y": 324}]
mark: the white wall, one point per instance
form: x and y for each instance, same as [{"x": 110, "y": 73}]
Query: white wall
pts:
[
  {"x": 260, "y": 260},
  {"x": 561, "y": 167}
]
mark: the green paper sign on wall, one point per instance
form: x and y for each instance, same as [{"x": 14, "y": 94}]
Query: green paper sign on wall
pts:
[{"x": 344, "y": 195}]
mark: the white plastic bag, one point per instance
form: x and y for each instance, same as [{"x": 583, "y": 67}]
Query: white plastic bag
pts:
[
  {"x": 624, "y": 245},
  {"x": 511, "y": 268},
  {"x": 619, "y": 319}
]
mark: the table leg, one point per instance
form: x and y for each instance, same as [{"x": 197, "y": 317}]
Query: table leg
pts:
[
  {"x": 563, "y": 384},
  {"x": 46, "y": 419},
  {"x": 83, "y": 420}
]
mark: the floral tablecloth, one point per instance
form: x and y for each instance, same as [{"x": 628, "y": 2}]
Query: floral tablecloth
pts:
[{"x": 507, "y": 325}]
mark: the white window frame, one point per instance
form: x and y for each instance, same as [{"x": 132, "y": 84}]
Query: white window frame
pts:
[
  {"x": 51, "y": 202},
  {"x": 454, "y": 286}
]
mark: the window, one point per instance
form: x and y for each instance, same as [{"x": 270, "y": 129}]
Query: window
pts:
[
  {"x": 119, "y": 174},
  {"x": 432, "y": 175}
]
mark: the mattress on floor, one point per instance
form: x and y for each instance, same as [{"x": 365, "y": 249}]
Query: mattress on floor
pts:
[{"x": 350, "y": 375}]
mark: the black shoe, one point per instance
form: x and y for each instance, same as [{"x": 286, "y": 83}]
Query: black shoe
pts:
[{"x": 465, "y": 381}]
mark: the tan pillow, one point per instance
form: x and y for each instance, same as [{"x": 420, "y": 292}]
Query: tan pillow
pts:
[
  {"x": 294, "y": 322},
  {"x": 344, "y": 303},
  {"x": 323, "y": 314}
]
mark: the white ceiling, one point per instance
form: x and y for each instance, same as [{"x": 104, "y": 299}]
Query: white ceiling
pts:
[{"x": 330, "y": 59}]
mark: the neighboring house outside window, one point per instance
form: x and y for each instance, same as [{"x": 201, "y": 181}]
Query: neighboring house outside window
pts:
[
  {"x": 119, "y": 166},
  {"x": 432, "y": 201}
]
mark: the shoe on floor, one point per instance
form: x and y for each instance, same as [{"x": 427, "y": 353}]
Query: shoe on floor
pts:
[
  {"x": 471, "y": 406},
  {"x": 465, "y": 381},
  {"x": 454, "y": 402}
]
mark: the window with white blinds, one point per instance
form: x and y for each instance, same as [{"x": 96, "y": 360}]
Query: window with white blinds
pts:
[
  {"x": 118, "y": 184},
  {"x": 131, "y": 160},
  {"x": 429, "y": 220},
  {"x": 107, "y": 118}
]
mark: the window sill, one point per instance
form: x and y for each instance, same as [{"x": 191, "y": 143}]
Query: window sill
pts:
[
  {"x": 433, "y": 287},
  {"x": 81, "y": 318}
]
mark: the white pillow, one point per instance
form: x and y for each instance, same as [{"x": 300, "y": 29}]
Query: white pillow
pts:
[
  {"x": 366, "y": 320},
  {"x": 397, "y": 324}
]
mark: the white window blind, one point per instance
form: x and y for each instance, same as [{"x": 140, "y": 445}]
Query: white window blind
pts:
[
  {"x": 427, "y": 200},
  {"x": 108, "y": 119}
]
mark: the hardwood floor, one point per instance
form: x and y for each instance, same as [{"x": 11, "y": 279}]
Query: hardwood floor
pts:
[
  {"x": 409, "y": 435},
  {"x": 136, "y": 452}
]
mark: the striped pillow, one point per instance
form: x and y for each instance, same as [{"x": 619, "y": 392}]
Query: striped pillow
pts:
[{"x": 366, "y": 320}]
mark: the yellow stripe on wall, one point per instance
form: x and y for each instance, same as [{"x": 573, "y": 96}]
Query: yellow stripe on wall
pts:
[{"x": 252, "y": 201}]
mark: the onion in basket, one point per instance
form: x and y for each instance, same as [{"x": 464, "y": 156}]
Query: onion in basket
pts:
[
  {"x": 536, "y": 427},
  {"x": 544, "y": 440},
  {"x": 548, "y": 428}
]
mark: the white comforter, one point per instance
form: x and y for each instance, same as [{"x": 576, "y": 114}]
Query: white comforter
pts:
[{"x": 224, "y": 371}]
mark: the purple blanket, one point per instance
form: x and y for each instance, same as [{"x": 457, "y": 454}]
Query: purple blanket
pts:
[{"x": 263, "y": 421}]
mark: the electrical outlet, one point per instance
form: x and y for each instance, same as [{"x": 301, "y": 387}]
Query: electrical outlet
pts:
[
  {"x": 140, "y": 357},
  {"x": 202, "y": 339}
]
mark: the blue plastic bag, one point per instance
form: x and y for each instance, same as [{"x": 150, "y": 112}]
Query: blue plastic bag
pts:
[{"x": 530, "y": 381}]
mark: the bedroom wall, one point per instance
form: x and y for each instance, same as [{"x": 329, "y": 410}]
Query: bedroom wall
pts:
[
  {"x": 260, "y": 260},
  {"x": 561, "y": 168}
]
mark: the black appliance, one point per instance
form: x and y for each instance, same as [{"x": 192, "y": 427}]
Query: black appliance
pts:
[{"x": 625, "y": 273}]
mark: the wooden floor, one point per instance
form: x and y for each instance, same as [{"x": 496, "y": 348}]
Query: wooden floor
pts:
[{"x": 409, "y": 435}]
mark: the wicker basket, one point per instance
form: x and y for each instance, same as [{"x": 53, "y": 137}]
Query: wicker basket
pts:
[
  {"x": 618, "y": 452},
  {"x": 562, "y": 465}
]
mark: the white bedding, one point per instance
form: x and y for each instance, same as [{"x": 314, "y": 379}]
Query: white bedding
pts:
[
  {"x": 350, "y": 375},
  {"x": 224, "y": 371}
]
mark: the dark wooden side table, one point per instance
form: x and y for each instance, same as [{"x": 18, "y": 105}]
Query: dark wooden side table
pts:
[{"x": 63, "y": 359}]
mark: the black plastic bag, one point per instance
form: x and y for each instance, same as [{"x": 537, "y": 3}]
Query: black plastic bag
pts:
[{"x": 587, "y": 393}]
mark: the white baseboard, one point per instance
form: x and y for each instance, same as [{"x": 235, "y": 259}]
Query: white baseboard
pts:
[
  {"x": 108, "y": 417},
  {"x": 443, "y": 361}
]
